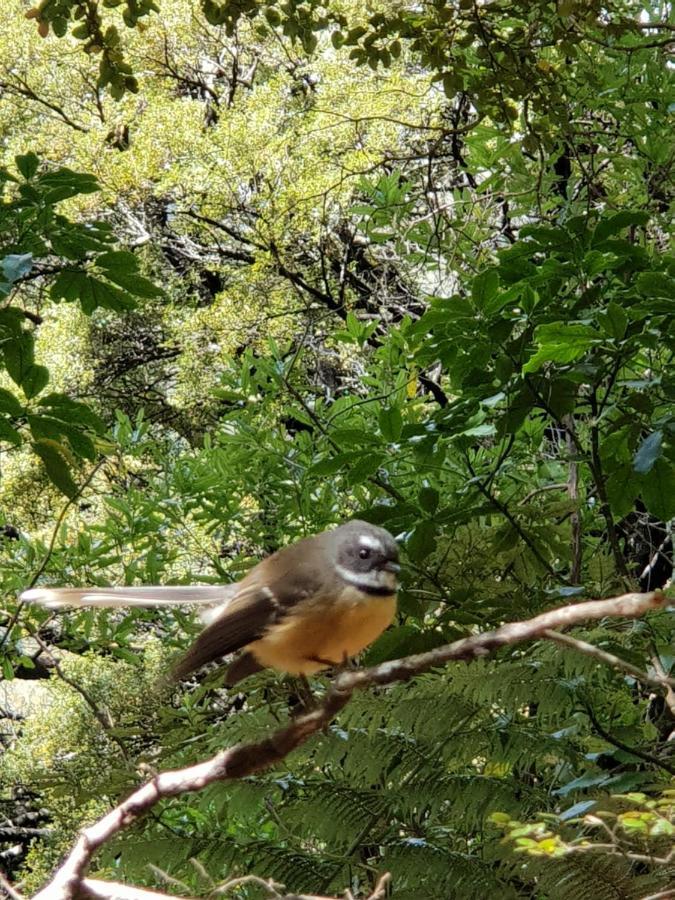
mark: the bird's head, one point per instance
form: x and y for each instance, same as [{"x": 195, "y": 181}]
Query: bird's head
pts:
[{"x": 367, "y": 557}]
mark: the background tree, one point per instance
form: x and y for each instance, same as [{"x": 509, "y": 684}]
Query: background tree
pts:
[{"x": 414, "y": 268}]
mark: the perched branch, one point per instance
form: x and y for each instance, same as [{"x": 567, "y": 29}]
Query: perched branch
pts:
[
  {"x": 241, "y": 760},
  {"x": 112, "y": 890}
]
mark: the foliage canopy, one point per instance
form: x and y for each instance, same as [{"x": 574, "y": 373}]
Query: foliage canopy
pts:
[{"x": 269, "y": 266}]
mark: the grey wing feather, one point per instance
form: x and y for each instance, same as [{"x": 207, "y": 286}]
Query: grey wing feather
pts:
[
  {"x": 242, "y": 620},
  {"x": 154, "y": 596}
]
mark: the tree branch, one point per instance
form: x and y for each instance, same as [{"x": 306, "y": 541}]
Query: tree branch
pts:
[{"x": 244, "y": 759}]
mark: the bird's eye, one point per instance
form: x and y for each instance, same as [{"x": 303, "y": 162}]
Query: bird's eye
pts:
[{"x": 364, "y": 553}]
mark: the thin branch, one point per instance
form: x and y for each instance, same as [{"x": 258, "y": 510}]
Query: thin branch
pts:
[
  {"x": 9, "y": 890},
  {"x": 619, "y": 744},
  {"x": 609, "y": 659},
  {"x": 245, "y": 759}
]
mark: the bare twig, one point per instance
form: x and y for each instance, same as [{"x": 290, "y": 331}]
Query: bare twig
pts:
[
  {"x": 11, "y": 892},
  {"x": 245, "y": 759},
  {"x": 661, "y": 680}
]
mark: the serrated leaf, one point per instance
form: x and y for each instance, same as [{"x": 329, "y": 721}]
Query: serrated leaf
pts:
[
  {"x": 35, "y": 380},
  {"x": 614, "y": 321},
  {"x": 118, "y": 261},
  {"x": 484, "y": 288},
  {"x": 616, "y": 223},
  {"x": 648, "y": 452},
  {"x": 422, "y": 541},
  {"x": 391, "y": 422},
  {"x": 428, "y": 498},
  {"x": 19, "y": 355},
  {"x": 658, "y": 489},
  {"x": 9, "y": 403},
  {"x": 9, "y": 433},
  {"x": 64, "y": 407},
  {"x": 56, "y": 461},
  {"x": 27, "y": 164},
  {"x": 562, "y": 343},
  {"x": 135, "y": 284},
  {"x": 331, "y": 465}
]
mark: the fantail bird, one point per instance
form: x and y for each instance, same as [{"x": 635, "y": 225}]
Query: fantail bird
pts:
[{"x": 304, "y": 608}]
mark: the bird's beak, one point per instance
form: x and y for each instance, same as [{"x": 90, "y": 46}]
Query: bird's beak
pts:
[{"x": 391, "y": 566}]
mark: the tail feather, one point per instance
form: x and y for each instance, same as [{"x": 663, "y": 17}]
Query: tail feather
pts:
[{"x": 154, "y": 596}]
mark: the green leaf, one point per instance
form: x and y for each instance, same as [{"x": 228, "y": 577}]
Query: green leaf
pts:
[
  {"x": 422, "y": 541},
  {"x": 656, "y": 284},
  {"x": 391, "y": 422},
  {"x": 484, "y": 288},
  {"x": 428, "y": 498},
  {"x": 561, "y": 342},
  {"x": 56, "y": 462},
  {"x": 9, "y": 403},
  {"x": 365, "y": 466},
  {"x": 658, "y": 489},
  {"x": 34, "y": 380},
  {"x": 135, "y": 284},
  {"x": 118, "y": 261},
  {"x": 19, "y": 355},
  {"x": 616, "y": 223},
  {"x": 622, "y": 487},
  {"x": 27, "y": 165},
  {"x": 75, "y": 284},
  {"x": 331, "y": 465},
  {"x": 54, "y": 429},
  {"x": 61, "y": 406},
  {"x": 614, "y": 321},
  {"x": 9, "y": 433},
  {"x": 648, "y": 452}
]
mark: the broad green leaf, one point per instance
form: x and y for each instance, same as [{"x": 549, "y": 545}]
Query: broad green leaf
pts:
[
  {"x": 622, "y": 487},
  {"x": 34, "y": 380},
  {"x": 364, "y": 467},
  {"x": 54, "y": 429},
  {"x": 76, "y": 284},
  {"x": 428, "y": 498},
  {"x": 616, "y": 223},
  {"x": 656, "y": 284},
  {"x": 61, "y": 406},
  {"x": 658, "y": 489},
  {"x": 118, "y": 261},
  {"x": 9, "y": 433},
  {"x": 19, "y": 355},
  {"x": 648, "y": 452},
  {"x": 484, "y": 287},
  {"x": 614, "y": 321},
  {"x": 56, "y": 462},
  {"x": 561, "y": 343},
  {"x": 135, "y": 284},
  {"x": 422, "y": 541},
  {"x": 391, "y": 422},
  {"x": 9, "y": 403},
  {"x": 27, "y": 164}
]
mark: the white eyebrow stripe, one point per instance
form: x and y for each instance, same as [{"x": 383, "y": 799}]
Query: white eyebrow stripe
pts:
[{"x": 374, "y": 543}]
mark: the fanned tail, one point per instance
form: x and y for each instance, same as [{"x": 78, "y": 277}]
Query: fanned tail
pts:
[{"x": 155, "y": 596}]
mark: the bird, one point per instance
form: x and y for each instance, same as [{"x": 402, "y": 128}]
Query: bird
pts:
[{"x": 309, "y": 606}]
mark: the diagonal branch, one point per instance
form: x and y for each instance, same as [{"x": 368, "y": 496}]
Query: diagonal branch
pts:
[{"x": 245, "y": 759}]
